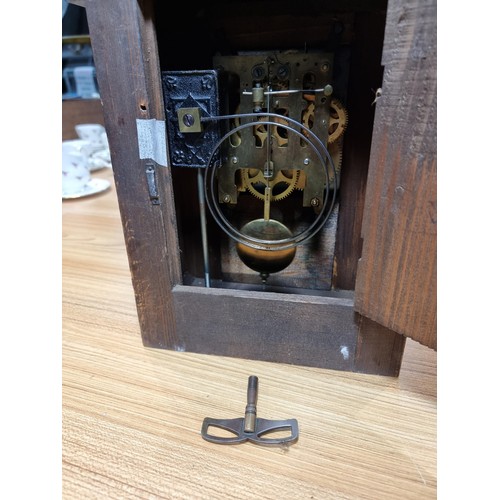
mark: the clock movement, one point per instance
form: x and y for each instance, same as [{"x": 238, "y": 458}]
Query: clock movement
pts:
[{"x": 265, "y": 133}]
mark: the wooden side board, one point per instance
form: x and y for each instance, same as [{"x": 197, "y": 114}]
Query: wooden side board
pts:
[
  {"x": 365, "y": 76},
  {"x": 396, "y": 279},
  {"x": 124, "y": 51}
]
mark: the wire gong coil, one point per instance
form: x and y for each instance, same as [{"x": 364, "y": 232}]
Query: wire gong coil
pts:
[{"x": 317, "y": 147}]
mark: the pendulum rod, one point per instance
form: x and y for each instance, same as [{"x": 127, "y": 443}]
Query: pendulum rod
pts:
[{"x": 268, "y": 167}]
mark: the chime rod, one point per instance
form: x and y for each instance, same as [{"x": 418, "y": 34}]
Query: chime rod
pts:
[
  {"x": 327, "y": 90},
  {"x": 203, "y": 222}
]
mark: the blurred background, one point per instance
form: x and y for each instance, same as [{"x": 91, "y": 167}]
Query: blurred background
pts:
[{"x": 80, "y": 91}]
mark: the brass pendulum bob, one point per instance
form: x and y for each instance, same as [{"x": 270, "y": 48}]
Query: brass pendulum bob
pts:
[{"x": 266, "y": 261}]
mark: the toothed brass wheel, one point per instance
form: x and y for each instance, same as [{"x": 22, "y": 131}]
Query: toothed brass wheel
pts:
[
  {"x": 279, "y": 134},
  {"x": 308, "y": 116},
  {"x": 282, "y": 185},
  {"x": 337, "y": 123},
  {"x": 338, "y": 120}
]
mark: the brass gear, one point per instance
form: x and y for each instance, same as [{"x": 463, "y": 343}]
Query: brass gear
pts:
[
  {"x": 337, "y": 123},
  {"x": 335, "y": 150},
  {"x": 338, "y": 120},
  {"x": 253, "y": 177},
  {"x": 279, "y": 135},
  {"x": 260, "y": 131},
  {"x": 308, "y": 116}
]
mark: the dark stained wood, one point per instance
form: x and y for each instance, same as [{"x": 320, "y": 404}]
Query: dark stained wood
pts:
[
  {"x": 379, "y": 350},
  {"x": 127, "y": 70},
  {"x": 76, "y": 111},
  {"x": 365, "y": 76},
  {"x": 396, "y": 279},
  {"x": 295, "y": 329},
  {"x": 227, "y": 27}
]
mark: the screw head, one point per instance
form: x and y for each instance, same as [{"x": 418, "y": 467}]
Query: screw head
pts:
[
  {"x": 315, "y": 202},
  {"x": 307, "y": 161},
  {"x": 258, "y": 72},
  {"x": 188, "y": 120},
  {"x": 283, "y": 72}
]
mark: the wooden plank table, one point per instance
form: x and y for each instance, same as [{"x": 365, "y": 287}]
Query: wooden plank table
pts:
[{"x": 132, "y": 415}]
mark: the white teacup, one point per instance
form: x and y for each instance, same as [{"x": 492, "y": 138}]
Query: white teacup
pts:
[
  {"x": 75, "y": 166},
  {"x": 94, "y": 133}
]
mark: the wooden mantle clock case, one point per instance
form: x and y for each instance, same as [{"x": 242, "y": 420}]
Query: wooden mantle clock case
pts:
[{"x": 355, "y": 77}]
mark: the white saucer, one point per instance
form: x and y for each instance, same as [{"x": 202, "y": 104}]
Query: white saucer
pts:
[
  {"x": 102, "y": 164},
  {"x": 93, "y": 187}
]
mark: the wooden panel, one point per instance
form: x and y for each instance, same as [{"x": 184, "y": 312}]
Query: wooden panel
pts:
[
  {"x": 396, "y": 279},
  {"x": 305, "y": 330},
  {"x": 378, "y": 347},
  {"x": 125, "y": 53},
  {"x": 365, "y": 75}
]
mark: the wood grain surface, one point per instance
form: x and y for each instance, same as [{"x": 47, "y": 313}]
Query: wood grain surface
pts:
[
  {"x": 122, "y": 38},
  {"x": 132, "y": 415},
  {"x": 396, "y": 281}
]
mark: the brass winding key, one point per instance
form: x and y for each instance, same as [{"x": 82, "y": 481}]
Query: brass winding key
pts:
[{"x": 250, "y": 428}]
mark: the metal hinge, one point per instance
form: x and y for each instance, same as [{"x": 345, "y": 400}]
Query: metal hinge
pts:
[{"x": 151, "y": 178}]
